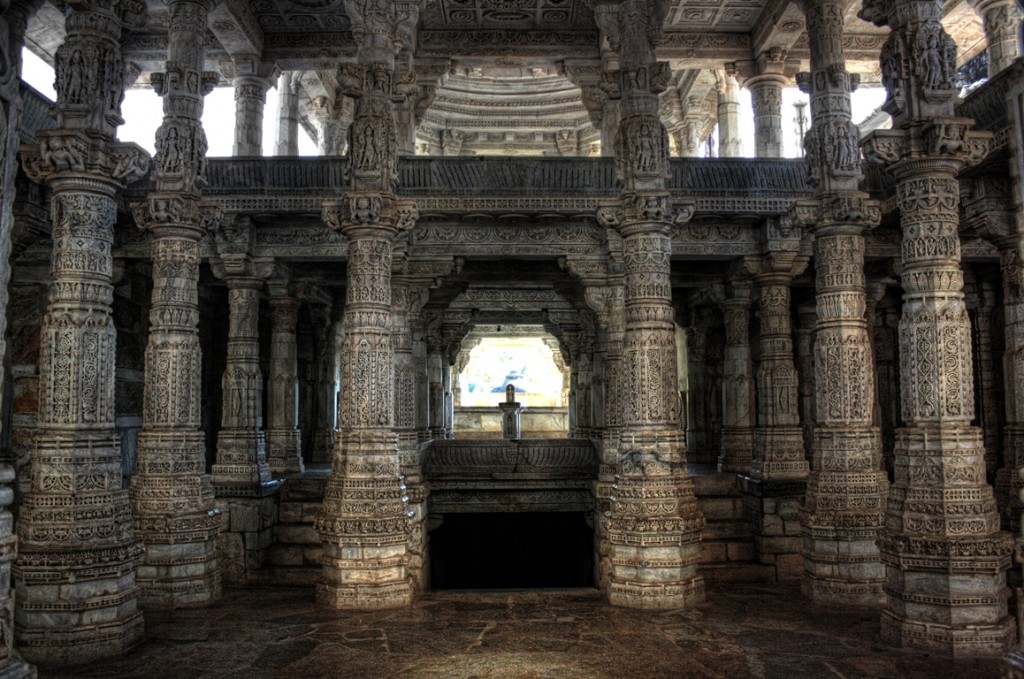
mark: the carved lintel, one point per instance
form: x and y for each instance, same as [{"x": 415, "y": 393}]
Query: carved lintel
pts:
[{"x": 76, "y": 151}]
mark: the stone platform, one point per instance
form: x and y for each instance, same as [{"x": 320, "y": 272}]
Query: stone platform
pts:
[{"x": 742, "y": 631}]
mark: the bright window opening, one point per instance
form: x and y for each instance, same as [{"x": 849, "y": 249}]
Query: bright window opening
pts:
[{"x": 525, "y": 362}]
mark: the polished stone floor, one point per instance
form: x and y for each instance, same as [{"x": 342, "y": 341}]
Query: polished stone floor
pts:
[{"x": 742, "y": 631}]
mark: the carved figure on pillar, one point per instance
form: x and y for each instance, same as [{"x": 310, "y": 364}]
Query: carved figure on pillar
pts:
[
  {"x": 75, "y": 533},
  {"x": 945, "y": 556},
  {"x": 653, "y": 513}
]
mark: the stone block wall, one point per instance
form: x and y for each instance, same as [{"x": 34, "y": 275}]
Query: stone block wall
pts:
[
  {"x": 247, "y": 533},
  {"x": 773, "y": 512}
]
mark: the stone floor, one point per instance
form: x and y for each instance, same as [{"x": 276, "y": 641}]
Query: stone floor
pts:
[{"x": 742, "y": 631}]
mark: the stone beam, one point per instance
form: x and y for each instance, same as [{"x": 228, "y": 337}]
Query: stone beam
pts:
[
  {"x": 781, "y": 24},
  {"x": 236, "y": 27}
]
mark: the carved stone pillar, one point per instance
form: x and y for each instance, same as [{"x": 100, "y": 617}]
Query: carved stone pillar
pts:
[
  {"x": 766, "y": 97},
  {"x": 75, "y": 574},
  {"x": 842, "y": 512},
  {"x": 697, "y": 337},
  {"x": 287, "y": 115},
  {"x": 738, "y": 384},
  {"x": 326, "y": 385},
  {"x": 435, "y": 391},
  {"x": 1008, "y": 479},
  {"x": 406, "y": 301},
  {"x": 988, "y": 402},
  {"x": 172, "y": 499},
  {"x": 331, "y": 127},
  {"x": 653, "y": 525},
  {"x": 728, "y": 89},
  {"x": 250, "y": 99},
  {"x": 284, "y": 438},
  {"x": 778, "y": 438},
  {"x": 1001, "y": 19},
  {"x": 241, "y": 469},
  {"x": 366, "y": 527},
  {"x": 13, "y": 22},
  {"x": 945, "y": 556}
]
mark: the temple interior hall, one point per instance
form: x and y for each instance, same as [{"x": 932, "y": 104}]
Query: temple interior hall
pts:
[{"x": 511, "y": 338}]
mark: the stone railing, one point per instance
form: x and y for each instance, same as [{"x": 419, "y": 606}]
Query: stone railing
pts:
[
  {"x": 36, "y": 114},
  {"x": 503, "y": 176},
  {"x": 529, "y": 459}
]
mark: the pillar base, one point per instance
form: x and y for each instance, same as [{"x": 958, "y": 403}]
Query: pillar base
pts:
[
  {"x": 653, "y": 553},
  {"x": 364, "y": 597},
  {"x": 737, "y": 450},
  {"x": 180, "y": 568},
  {"x": 241, "y": 459},
  {"x": 779, "y": 454},
  {"x": 77, "y": 619},
  {"x": 657, "y": 596},
  {"x": 842, "y": 515},
  {"x": 953, "y": 641},
  {"x": 284, "y": 451}
]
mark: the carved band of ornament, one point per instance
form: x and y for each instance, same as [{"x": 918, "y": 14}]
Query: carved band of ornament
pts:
[
  {"x": 63, "y": 154},
  {"x": 181, "y": 81}
]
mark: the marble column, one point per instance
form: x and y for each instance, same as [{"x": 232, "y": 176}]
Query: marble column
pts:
[
  {"x": 172, "y": 499},
  {"x": 250, "y": 99},
  {"x": 284, "y": 438},
  {"x": 407, "y": 298},
  {"x": 945, "y": 557},
  {"x": 988, "y": 417},
  {"x": 728, "y": 89},
  {"x": 287, "y": 142},
  {"x": 738, "y": 384},
  {"x": 13, "y": 22},
  {"x": 366, "y": 526},
  {"x": 653, "y": 524},
  {"x": 778, "y": 438},
  {"x": 326, "y": 367},
  {"x": 77, "y": 598},
  {"x": 1001, "y": 20},
  {"x": 241, "y": 469},
  {"x": 843, "y": 509}
]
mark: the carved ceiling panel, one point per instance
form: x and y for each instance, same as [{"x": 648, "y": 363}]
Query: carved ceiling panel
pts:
[
  {"x": 507, "y": 14},
  {"x": 727, "y": 15},
  {"x": 286, "y": 16}
]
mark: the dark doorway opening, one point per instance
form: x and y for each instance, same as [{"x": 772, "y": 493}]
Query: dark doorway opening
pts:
[{"x": 512, "y": 551}]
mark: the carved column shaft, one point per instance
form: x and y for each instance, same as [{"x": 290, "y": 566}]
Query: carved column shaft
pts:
[
  {"x": 78, "y": 550},
  {"x": 945, "y": 557},
  {"x": 172, "y": 498},
  {"x": 766, "y": 97},
  {"x": 653, "y": 525},
  {"x": 729, "y": 115},
  {"x": 287, "y": 115},
  {"x": 778, "y": 445},
  {"x": 241, "y": 467},
  {"x": 284, "y": 438},
  {"x": 13, "y": 22},
  {"x": 250, "y": 100},
  {"x": 846, "y": 491},
  {"x": 1001, "y": 20},
  {"x": 738, "y": 387},
  {"x": 326, "y": 368}
]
